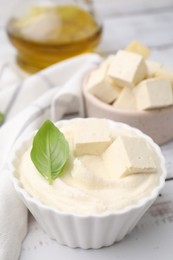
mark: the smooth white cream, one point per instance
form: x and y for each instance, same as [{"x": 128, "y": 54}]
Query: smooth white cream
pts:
[{"x": 85, "y": 187}]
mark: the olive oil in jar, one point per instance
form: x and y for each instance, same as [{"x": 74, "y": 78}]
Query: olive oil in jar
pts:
[{"x": 48, "y": 34}]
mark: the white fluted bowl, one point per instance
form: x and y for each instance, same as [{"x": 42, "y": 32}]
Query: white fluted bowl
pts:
[{"x": 92, "y": 230}]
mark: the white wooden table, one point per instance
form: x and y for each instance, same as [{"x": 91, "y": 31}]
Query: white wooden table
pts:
[{"x": 151, "y": 22}]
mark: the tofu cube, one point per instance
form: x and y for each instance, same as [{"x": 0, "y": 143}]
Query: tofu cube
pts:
[
  {"x": 103, "y": 87},
  {"x": 152, "y": 68},
  {"x": 153, "y": 93},
  {"x": 139, "y": 48},
  {"x": 91, "y": 138},
  {"x": 106, "y": 63},
  {"x": 128, "y": 155},
  {"x": 127, "y": 69},
  {"x": 165, "y": 72},
  {"x": 126, "y": 100}
]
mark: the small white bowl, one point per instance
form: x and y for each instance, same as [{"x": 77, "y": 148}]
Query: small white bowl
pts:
[
  {"x": 91, "y": 230},
  {"x": 157, "y": 123}
]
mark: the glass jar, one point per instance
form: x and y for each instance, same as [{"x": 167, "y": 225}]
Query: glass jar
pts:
[{"x": 47, "y": 31}]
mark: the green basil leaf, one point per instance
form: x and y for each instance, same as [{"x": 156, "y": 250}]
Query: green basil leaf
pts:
[
  {"x": 1, "y": 118},
  {"x": 50, "y": 151}
]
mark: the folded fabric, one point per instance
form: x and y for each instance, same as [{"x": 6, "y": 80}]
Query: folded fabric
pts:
[{"x": 53, "y": 93}]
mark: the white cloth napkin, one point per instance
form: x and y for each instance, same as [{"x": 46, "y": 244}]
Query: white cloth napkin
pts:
[{"x": 53, "y": 93}]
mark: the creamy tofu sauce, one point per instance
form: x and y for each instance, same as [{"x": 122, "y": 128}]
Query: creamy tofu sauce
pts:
[{"x": 85, "y": 187}]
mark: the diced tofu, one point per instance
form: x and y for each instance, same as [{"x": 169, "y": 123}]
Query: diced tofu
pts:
[
  {"x": 153, "y": 93},
  {"x": 102, "y": 86},
  {"x": 128, "y": 155},
  {"x": 152, "y": 68},
  {"x": 106, "y": 63},
  {"x": 126, "y": 100},
  {"x": 127, "y": 69},
  {"x": 166, "y": 73},
  {"x": 91, "y": 138},
  {"x": 138, "y": 48}
]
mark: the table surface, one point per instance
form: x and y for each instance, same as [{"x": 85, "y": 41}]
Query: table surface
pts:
[{"x": 150, "y": 22}]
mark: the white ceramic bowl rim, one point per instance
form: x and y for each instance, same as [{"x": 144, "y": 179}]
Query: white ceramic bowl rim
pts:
[{"x": 141, "y": 203}]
